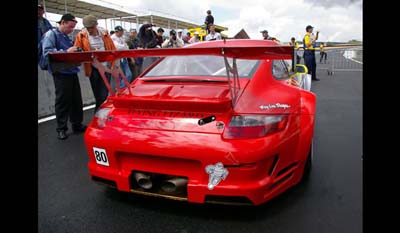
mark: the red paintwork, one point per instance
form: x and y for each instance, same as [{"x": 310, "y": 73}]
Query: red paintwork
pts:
[{"x": 155, "y": 129}]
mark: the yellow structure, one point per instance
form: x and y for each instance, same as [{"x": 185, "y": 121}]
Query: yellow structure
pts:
[{"x": 203, "y": 33}]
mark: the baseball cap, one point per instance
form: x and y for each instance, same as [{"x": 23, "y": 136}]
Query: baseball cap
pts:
[
  {"x": 67, "y": 17},
  {"x": 132, "y": 30},
  {"x": 180, "y": 30},
  {"x": 40, "y": 6},
  {"x": 196, "y": 33},
  {"x": 89, "y": 21},
  {"x": 264, "y": 31},
  {"x": 160, "y": 30},
  {"x": 308, "y": 27},
  {"x": 118, "y": 28}
]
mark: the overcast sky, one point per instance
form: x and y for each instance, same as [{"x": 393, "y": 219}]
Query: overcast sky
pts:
[{"x": 337, "y": 20}]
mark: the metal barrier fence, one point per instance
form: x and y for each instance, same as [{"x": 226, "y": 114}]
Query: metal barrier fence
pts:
[{"x": 343, "y": 59}]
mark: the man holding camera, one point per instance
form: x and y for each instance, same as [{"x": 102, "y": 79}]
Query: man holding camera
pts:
[{"x": 173, "y": 41}]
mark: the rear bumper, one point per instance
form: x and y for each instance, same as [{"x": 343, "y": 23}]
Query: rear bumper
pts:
[{"x": 259, "y": 169}]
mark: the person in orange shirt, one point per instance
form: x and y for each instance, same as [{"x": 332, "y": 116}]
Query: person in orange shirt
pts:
[{"x": 92, "y": 38}]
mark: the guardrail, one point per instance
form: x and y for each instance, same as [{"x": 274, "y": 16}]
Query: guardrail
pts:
[{"x": 341, "y": 59}]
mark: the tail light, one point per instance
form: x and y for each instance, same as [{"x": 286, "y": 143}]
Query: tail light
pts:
[
  {"x": 254, "y": 126},
  {"x": 101, "y": 117}
]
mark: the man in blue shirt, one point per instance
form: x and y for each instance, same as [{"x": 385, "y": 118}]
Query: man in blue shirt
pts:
[
  {"x": 43, "y": 24},
  {"x": 68, "y": 102}
]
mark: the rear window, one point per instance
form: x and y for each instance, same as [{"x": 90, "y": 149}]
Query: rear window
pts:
[
  {"x": 201, "y": 66},
  {"x": 280, "y": 69}
]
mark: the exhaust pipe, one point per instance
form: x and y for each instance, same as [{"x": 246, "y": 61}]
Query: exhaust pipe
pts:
[
  {"x": 174, "y": 185},
  {"x": 143, "y": 180}
]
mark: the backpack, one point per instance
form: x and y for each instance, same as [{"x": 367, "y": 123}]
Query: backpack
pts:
[{"x": 43, "y": 61}]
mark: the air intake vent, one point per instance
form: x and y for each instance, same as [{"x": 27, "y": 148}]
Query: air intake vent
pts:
[
  {"x": 228, "y": 200},
  {"x": 109, "y": 183}
]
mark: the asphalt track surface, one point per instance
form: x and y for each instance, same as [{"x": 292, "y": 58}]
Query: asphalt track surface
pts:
[{"x": 331, "y": 200}]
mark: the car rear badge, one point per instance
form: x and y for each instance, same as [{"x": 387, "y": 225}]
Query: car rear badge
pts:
[
  {"x": 216, "y": 172},
  {"x": 274, "y": 106}
]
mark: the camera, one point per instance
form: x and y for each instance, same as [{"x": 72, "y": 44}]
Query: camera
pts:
[{"x": 172, "y": 33}]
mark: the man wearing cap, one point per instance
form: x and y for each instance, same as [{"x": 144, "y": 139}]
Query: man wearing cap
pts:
[
  {"x": 120, "y": 44},
  {"x": 91, "y": 38},
  {"x": 309, "y": 52},
  {"x": 180, "y": 34},
  {"x": 296, "y": 46},
  {"x": 195, "y": 38},
  {"x": 68, "y": 102},
  {"x": 265, "y": 35},
  {"x": 43, "y": 24}
]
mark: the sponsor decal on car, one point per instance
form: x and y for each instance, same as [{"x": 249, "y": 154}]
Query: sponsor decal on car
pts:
[
  {"x": 274, "y": 106},
  {"x": 216, "y": 173}
]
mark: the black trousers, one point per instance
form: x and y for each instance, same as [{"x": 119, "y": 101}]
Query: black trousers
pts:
[
  {"x": 322, "y": 54},
  {"x": 309, "y": 61},
  {"x": 99, "y": 89},
  {"x": 68, "y": 100}
]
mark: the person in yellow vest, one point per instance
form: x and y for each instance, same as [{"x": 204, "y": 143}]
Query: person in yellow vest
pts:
[
  {"x": 296, "y": 47},
  {"x": 309, "y": 42},
  {"x": 322, "y": 53}
]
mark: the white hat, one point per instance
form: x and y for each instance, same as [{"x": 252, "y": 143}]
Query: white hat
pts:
[
  {"x": 179, "y": 30},
  {"x": 196, "y": 33}
]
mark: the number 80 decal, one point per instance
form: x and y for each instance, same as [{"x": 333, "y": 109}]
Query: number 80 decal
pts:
[{"x": 100, "y": 156}]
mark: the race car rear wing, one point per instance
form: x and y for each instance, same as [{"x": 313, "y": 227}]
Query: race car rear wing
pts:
[{"x": 59, "y": 61}]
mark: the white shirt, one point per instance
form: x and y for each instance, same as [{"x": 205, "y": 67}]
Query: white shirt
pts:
[
  {"x": 215, "y": 36},
  {"x": 172, "y": 44},
  {"x": 119, "y": 42},
  {"x": 193, "y": 40}
]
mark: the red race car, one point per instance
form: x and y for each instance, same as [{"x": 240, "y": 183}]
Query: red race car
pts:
[{"x": 222, "y": 122}]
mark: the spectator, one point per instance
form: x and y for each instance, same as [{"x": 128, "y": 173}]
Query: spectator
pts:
[
  {"x": 149, "y": 40},
  {"x": 68, "y": 103},
  {"x": 195, "y": 38},
  {"x": 135, "y": 63},
  {"x": 322, "y": 53},
  {"x": 92, "y": 38},
  {"x": 180, "y": 34},
  {"x": 119, "y": 42},
  {"x": 208, "y": 21},
  {"x": 173, "y": 41},
  {"x": 265, "y": 35},
  {"x": 159, "y": 36},
  {"x": 296, "y": 47},
  {"x": 147, "y": 36},
  {"x": 187, "y": 38},
  {"x": 213, "y": 35},
  {"x": 43, "y": 24},
  {"x": 309, "y": 52}
]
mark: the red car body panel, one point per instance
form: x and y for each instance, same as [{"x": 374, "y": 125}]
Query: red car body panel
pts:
[{"x": 155, "y": 130}]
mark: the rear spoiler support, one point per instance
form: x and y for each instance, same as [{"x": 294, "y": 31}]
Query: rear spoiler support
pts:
[
  {"x": 233, "y": 90},
  {"x": 115, "y": 73}
]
